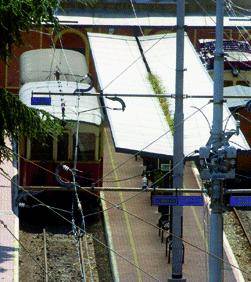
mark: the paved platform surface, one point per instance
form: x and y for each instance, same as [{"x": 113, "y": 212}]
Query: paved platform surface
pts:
[
  {"x": 8, "y": 245},
  {"x": 138, "y": 241}
]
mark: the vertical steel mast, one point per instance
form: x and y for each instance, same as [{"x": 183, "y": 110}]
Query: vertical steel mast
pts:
[
  {"x": 216, "y": 218},
  {"x": 178, "y": 154}
]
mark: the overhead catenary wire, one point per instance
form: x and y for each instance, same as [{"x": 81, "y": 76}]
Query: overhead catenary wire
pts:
[
  {"x": 242, "y": 116},
  {"x": 213, "y": 20},
  {"x": 118, "y": 205},
  {"x": 142, "y": 220},
  {"x": 135, "y": 61},
  {"x": 155, "y": 140},
  {"x": 79, "y": 205},
  {"x": 136, "y": 17},
  {"x": 78, "y": 227},
  {"x": 240, "y": 7},
  {"x": 230, "y": 9},
  {"x": 122, "y": 163}
]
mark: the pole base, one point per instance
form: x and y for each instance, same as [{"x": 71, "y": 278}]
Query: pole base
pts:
[{"x": 176, "y": 280}]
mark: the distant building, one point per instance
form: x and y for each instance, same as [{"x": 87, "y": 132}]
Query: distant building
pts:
[{"x": 122, "y": 17}]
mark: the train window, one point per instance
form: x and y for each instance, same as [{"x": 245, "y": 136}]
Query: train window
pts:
[
  {"x": 86, "y": 146},
  {"x": 62, "y": 150},
  {"x": 42, "y": 150}
]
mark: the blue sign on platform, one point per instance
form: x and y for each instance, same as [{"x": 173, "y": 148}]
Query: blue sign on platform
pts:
[
  {"x": 240, "y": 201},
  {"x": 41, "y": 101},
  {"x": 164, "y": 200}
]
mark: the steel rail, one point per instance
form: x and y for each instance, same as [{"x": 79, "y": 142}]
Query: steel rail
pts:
[
  {"x": 45, "y": 256},
  {"x": 242, "y": 226}
]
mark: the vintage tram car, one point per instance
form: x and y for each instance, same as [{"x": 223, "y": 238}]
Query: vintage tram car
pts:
[{"x": 50, "y": 71}]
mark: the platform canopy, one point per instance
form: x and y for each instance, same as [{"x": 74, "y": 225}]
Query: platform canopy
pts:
[
  {"x": 107, "y": 17},
  {"x": 161, "y": 59},
  {"x": 86, "y": 103},
  {"x": 143, "y": 120},
  {"x": 114, "y": 58},
  {"x": 43, "y": 64},
  {"x": 237, "y": 90}
]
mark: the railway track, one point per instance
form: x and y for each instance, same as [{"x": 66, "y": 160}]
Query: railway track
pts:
[
  {"x": 55, "y": 250},
  {"x": 244, "y": 222}
]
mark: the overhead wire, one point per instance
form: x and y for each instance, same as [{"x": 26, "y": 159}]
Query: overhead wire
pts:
[
  {"x": 242, "y": 116},
  {"x": 239, "y": 145},
  {"x": 149, "y": 144},
  {"x": 148, "y": 49},
  {"x": 142, "y": 220},
  {"x": 68, "y": 221},
  {"x": 122, "y": 163},
  {"x": 79, "y": 205},
  {"x": 75, "y": 230},
  {"x": 213, "y": 20},
  {"x": 136, "y": 17},
  {"x": 135, "y": 61},
  {"x": 240, "y": 7},
  {"x": 230, "y": 9},
  {"x": 118, "y": 205}
]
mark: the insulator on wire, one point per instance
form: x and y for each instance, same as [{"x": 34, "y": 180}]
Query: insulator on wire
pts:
[
  {"x": 65, "y": 167},
  {"x": 144, "y": 182},
  {"x": 63, "y": 108}
]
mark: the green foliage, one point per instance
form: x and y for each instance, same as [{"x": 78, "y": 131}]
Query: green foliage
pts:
[
  {"x": 20, "y": 15},
  {"x": 16, "y": 119},
  {"x": 159, "y": 89}
]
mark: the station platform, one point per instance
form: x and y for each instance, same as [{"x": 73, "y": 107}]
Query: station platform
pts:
[
  {"x": 137, "y": 240},
  {"x": 9, "y": 223}
]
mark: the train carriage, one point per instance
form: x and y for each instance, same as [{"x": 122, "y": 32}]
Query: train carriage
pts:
[{"x": 60, "y": 71}]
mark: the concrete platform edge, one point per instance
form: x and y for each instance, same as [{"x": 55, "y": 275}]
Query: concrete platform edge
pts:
[
  {"x": 227, "y": 248},
  {"x": 108, "y": 235},
  {"x": 16, "y": 255}
]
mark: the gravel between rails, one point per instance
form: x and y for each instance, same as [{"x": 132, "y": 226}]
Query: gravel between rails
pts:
[
  {"x": 63, "y": 263},
  {"x": 238, "y": 242}
]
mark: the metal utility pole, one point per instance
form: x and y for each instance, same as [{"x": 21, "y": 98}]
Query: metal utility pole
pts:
[
  {"x": 216, "y": 218},
  {"x": 178, "y": 154}
]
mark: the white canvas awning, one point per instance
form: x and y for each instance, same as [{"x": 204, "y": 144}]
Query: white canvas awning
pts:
[
  {"x": 106, "y": 17},
  {"x": 237, "y": 90},
  {"x": 143, "y": 121},
  {"x": 197, "y": 81},
  {"x": 120, "y": 69},
  {"x": 71, "y": 103},
  {"x": 42, "y": 64}
]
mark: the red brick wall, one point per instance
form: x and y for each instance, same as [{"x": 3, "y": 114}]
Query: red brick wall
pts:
[{"x": 76, "y": 38}]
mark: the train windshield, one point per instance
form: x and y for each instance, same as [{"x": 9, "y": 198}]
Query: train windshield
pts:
[
  {"x": 42, "y": 150},
  {"x": 62, "y": 149},
  {"x": 86, "y": 148}
]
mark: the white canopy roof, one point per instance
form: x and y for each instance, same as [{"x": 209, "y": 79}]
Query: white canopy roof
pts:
[
  {"x": 143, "y": 120},
  {"x": 162, "y": 59},
  {"x": 71, "y": 109},
  {"x": 237, "y": 90},
  {"x": 42, "y": 64},
  {"x": 104, "y": 17}
]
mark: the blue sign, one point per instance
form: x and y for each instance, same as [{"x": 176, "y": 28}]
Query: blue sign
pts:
[
  {"x": 240, "y": 201},
  {"x": 41, "y": 101},
  {"x": 164, "y": 200}
]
